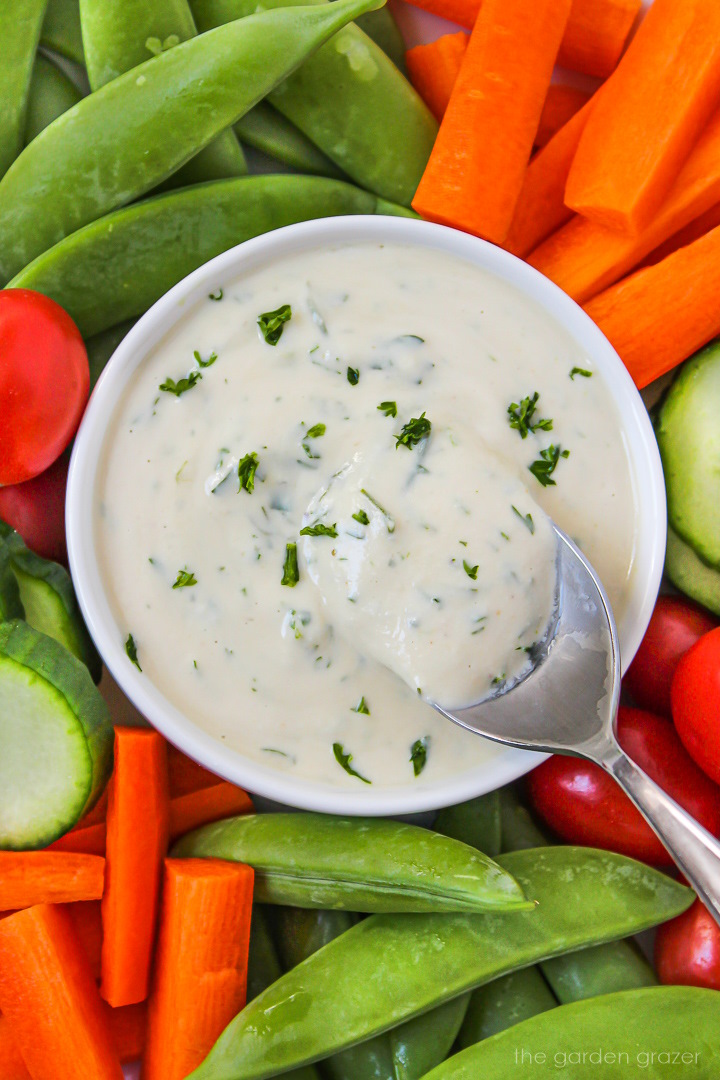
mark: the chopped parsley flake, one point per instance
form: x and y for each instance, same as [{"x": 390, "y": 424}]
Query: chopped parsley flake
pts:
[
  {"x": 131, "y": 650},
  {"x": 419, "y": 753},
  {"x": 315, "y": 431},
  {"x": 388, "y": 407},
  {"x": 389, "y": 519},
  {"x": 353, "y": 376},
  {"x": 247, "y": 467},
  {"x": 580, "y": 371},
  {"x": 291, "y": 574},
  {"x": 526, "y": 519},
  {"x": 184, "y": 579},
  {"x": 362, "y": 517},
  {"x": 520, "y": 416},
  {"x": 179, "y": 387},
  {"x": 471, "y": 571},
  {"x": 216, "y": 296},
  {"x": 545, "y": 466},
  {"x": 205, "y": 363},
  {"x": 344, "y": 760},
  {"x": 319, "y": 530},
  {"x": 416, "y": 429},
  {"x": 362, "y": 707},
  {"x": 272, "y": 323}
]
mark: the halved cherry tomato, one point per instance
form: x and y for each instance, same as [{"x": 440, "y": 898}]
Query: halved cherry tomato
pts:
[
  {"x": 675, "y": 626},
  {"x": 584, "y": 805},
  {"x": 687, "y": 949},
  {"x": 696, "y": 703},
  {"x": 37, "y": 510},
  {"x": 44, "y": 383}
]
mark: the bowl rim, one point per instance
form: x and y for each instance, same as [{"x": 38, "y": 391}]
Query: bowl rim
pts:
[{"x": 507, "y": 764}]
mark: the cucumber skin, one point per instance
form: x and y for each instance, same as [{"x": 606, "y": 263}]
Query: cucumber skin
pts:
[
  {"x": 10, "y": 602},
  {"x": 691, "y": 575},
  {"x": 48, "y": 659}
]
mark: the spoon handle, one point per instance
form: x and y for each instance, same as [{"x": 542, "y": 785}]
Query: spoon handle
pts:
[{"x": 695, "y": 851}]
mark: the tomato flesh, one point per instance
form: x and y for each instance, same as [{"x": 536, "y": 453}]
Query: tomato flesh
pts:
[
  {"x": 687, "y": 949},
  {"x": 696, "y": 703},
  {"x": 36, "y": 509}
]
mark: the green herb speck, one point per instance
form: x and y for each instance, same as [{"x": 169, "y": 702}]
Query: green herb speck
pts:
[
  {"x": 345, "y": 760},
  {"x": 272, "y": 323},
  {"x": 131, "y": 650}
]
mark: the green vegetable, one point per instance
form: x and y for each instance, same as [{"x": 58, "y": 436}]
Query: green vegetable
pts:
[
  {"x": 353, "y": 376},
  {"x": 323, "y": 1005},
  {"x": 185, "y": 578},
  {"x": 382, "y": 28},
  {"x": 267, "y": 130},
  {"x": 344, "y": 760},
  {"x": 521, "y": 416},
  {"x": 204, "y": 363},
  {"x": 545, "y": 466},
  {"x": 272, "y": 323},
  {"x": 388, "y": 407},
  {"x": 586, "y": 374},
  {"x": 518, "y": 830},
  {"x": 476, "y": 822},
  {"x": 61, "y": 30},
  {"x": 362, "y": 707},
  {"x": 689, "y": 573},
  {"x": 654, "y": 1032},
  {"x": 291, "y": 574},
  {"x": 247, "y": 467},
  {"x": 86, "y": 163},
  {"x": 316, "y": 431},
  {"x": 615, "y": 965},
  {"x": 117, "y": 267},
  {"x": 504, "y": 1002},
  {"x": 10, "y": 603},
  {"x": 56, "y": 738},
  {"x": 182, "y": 385},
  {"x": 362, "y": 517},
  {"x": 319, "y": 530},
  {"x": 420, "y": 1044},
  {"x": 471, "y": 571},
  {"x": 20, "y": 31},
  {"x": 413, "y": 432},
  {"x": 359, "y": 864},
  {"x": 131, "y": 650},
  {"x": 526, "y": 519},
  {"x": 419, "y": 753},
  {"x": 51, "y": 94}
]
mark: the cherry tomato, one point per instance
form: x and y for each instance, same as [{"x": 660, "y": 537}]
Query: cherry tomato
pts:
[
  {"x": 584, "y": 805},
  {"x": 37, "y": 510},
  {"x": 675, "y": 626},
  {"x": 696, "y": 703},
  {"x": 44, "y": 383},
  {"x": 687, "y": 949}
]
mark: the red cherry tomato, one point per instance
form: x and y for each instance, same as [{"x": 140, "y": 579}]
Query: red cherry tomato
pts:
[
  {"x": 696, "y": 703},
  {"x": 44, "y": 383},
  {"x": 584, "y": 805},
  {"x": 37, "y": 510},
  {"x": 675, "y": 626},
  {"x": 687, "y": 949}
]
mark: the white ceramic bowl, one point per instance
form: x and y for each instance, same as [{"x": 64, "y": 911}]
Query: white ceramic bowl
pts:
[{"x": 205, "y": 747}]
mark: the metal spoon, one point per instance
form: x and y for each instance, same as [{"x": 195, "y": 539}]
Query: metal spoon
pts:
[{"x": 568, "y": 704}]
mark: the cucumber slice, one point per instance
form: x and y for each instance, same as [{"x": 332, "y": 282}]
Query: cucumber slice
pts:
[
  {"x": 50, "y": 604},
  {"x": 691, "y": 575},
  {"x": 10, "y": 603},
  {"x": 56, "y": 738},
  {"x": 688, "y": 435}
]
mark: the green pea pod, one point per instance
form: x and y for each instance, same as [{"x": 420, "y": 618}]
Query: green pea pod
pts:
[
  {"x": 616, "y": 965},
  {"x": 390, "y": 968},
  {"x": 61, "y": 30},
  {"x": 118, "y": 35},
  {"x": 654, "y": 1032},
  {"x": 135, "y": 131},
  {"x": 518, "y": 830},
  {"x": 504, "y": 1002},
  {"x": 267, "y": 130},
  {"x": 422, "y": 1043},
  {"x": 476, "y": 822},
  {"x": 51, "y": 94},
  {"x": 19, "y": 31},
  {"x": 382, "y": 28},
  {"x": 352, "y": 102},
  {"x": 117, "y": 267},
  {"x": 358, "y": 864},
  {"x": 101, "y": 347}
]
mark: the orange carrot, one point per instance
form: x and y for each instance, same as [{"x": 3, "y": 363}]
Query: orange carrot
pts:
[
  {"x": 87, "y": 920},
  {"x": 584, "y": 258},
  {"x": 137, "y": 839},
  {"x": 594, "y": 37},
  {"x": 186, "y": 775},
  {"x": 692, "y": 232},
  {"x": 209, "y": 804},
  {"x": 541, "y": 206},
  {"x": 200, "y": 976},
  {"x": 49, "y": 998},
  {"x": 90, "y": 840},
  {"x": 12, "y": 1062},
  {"x": 659, "y": 316},
  {"x": 434, "y": 68},
  {"x": 561, "y": 104},
  {"x": 650, "y": 114},
  {"x": 48, "y": 877},
  {"x": 475, "y": 172}
]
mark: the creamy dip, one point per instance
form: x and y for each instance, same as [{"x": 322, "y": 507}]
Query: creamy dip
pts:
[{"x": 304, "y": 539}]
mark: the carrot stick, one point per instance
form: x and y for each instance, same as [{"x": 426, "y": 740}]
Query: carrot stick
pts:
[
  {"x": 200, "y": 976},
  {"x": 209, "y": 804},
  {"x": 186, "y": 775},
  {"x": 48, "y": 877},
  {"x": 659, "y": 316},
  {"x": 49, "y": 998},
  {"x": 475, "y": 172},
  {"x": 541, "y": 205},
  {"x": 561, "y": 104},
  {"x": 692, "y": 232},
  {"x": 90, "y": 840},
  {"x": 650, "y": 114},
  {"x": 137, "y": 839},
  {"x": 434, "y": 68},
  {"x": 594, "y": 37},
  {"x": 584, "y": 258},
  {"x": 87, "y": 921},
  {"x": 12, "y": 1062}
]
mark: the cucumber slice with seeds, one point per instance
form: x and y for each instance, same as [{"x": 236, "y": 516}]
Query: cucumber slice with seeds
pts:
[{"x": 56, "y": 738}]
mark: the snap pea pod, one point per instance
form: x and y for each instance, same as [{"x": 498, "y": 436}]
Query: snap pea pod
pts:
[
  {"x": 381, "y": 27},
  {"x": 61, "y": 30},
  {"x": 19, "y": 31},
  {"x": 352, "y": 102},
  {"x": 476, "y": 822},
  {"x": 101, "y": 347},
  {"x": 517, "y": 827},
  {"x": 267, "y": 130},
  {"x": 118, "y": 35},
  {"x": 115, "y": 268},
  {"x": 114, "y": 145},
  {"x": 358, "y": 864},
  {"x": 390, "y": 968},
  {"x": 422, "y": 1043},
  {"x": 51, "y": 94},
  {"x": 644, "y": 1032},
  {"x": 504, "y": 1002}
]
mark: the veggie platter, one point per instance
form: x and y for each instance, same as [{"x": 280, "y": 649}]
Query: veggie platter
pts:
[{"x": 147, "y": 912}]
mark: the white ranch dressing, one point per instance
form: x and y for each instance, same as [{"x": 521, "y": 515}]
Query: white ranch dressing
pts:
[{"x": 291, "y": 676}]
